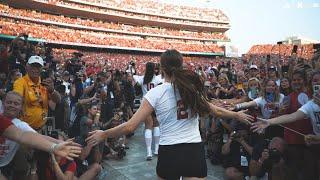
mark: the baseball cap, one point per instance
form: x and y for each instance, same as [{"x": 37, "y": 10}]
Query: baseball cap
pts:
[
  {"x": 273, "y": 68},
  {"x": 36, "y": 59},
  {"x": 253, "y": 67}
]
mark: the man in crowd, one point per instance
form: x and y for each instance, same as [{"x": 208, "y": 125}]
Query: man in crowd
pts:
[
  {"x": 266, "y": 158},
  {"x": 36, "y": 93},
  {"x": 11, "y": 161}
]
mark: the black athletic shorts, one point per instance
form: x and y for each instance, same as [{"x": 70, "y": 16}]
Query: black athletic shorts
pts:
[{"x": 186, "y": 160}]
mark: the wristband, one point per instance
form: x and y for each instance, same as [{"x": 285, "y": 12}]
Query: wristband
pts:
[
  {"x": 52, "y": 148},
  {"x": 238, "y": 107}
]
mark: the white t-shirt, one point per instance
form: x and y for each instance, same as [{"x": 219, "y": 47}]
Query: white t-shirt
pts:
[
  {"x": 312, "y": 111},
  {"x": 146, "y": 87},
  {"x": 67, "y": 85},
  {"x": 9, "y": 148},
  {"x": 160, "y": 78},
  {"x": 265, "y": 110},
  {"x": 176, "y": 125},
  {"x": 278, "y": 82}
]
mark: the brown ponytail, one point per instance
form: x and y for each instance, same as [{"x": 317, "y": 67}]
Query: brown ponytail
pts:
[{"x": 188, "y": 83}]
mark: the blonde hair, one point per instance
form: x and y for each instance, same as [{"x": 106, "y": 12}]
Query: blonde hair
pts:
[
  {"x": 276, "y": 93},
  {"x": 254, "y": 79}
]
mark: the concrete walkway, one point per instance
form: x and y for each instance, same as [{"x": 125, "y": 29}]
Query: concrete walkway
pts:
[{"x": 135, "y": 167}]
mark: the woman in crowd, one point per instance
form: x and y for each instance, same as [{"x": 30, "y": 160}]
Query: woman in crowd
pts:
[
  {"x": 147, "y": 82},
  {"x": 178, "y": 103},
  {"x": 226, "y": 90},
  {"x": 285, "y": 87},
  {"x": 309, "y": 110},
  {"x": 269, "y": 103},
  {"x": 63, "y": 169}
]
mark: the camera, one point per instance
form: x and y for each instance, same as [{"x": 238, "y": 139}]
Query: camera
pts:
[
  {"x": 275, "y": 155},
  {"x": 235, "y": 135},
  {"x": 316, "y": 88},
  {"x": 132, "y": 63},
  {"x": 44, "y": 75}
]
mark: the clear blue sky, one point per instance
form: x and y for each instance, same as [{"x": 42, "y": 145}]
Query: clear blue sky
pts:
[{"x": 266, "y": 21}]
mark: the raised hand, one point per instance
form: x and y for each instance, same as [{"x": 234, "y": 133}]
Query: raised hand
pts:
[
  {"x": 312, "y": 139},
  {"x": 95, "y": 137},
  {"x": 49, "y": 84},
  {"x": 260, "y": 125},
  {"x": 68, "y": 150},
  {"x": 245, "y": 118}
]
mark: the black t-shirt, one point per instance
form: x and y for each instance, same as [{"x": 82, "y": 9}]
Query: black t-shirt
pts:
[
  {"x": 256, "y": 154},
  {"x": 60, "y": 112},
  {"x": 84, "y": 127},
  {"x": 233, "y": 159}
]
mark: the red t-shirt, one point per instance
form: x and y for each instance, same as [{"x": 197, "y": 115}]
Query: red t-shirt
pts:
[
  {"x": 5, "y": 122},
  {"x": 303, "y": 126},
  {"x": 65, "y": 165}
]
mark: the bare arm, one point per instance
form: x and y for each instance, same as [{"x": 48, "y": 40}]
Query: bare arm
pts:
[
  {"x": 246, "y": 105},
  {"x": 255, "y": 167},
  {"x": 55, "y": 97},
  {"x": 85, "y": 152},
  {"x": 89, "y": 89},
  {"x": 223, "y": 113},
  {"x": 88, "y": 100},
  {"x": 247, "y": 147},
  {"x": 34, "y": 140},
  {"x": 58, "y": 172},
  {"x": 143, "y": 112},
  {"x": 23, "y": 137},
  {"x": 287, "y": 118},
  {"x": 226, "y": 147}
]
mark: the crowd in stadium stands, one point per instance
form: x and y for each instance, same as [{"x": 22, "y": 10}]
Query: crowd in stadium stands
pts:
[
  {"x": 96, "y": 89},
  {"x": 13, "y": 27},
  {"x": 129, "y": 14},
  {"x": 97, "y": 60},
  {"x": 304, "y": 51},
  {"x": 107, "y": 25},
  {"x": 155, "y": 7}
]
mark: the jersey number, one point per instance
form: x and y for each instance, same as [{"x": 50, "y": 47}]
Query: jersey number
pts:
[
  {"x": 182, "y": 112},
  {"x": 150, "y": 86}
]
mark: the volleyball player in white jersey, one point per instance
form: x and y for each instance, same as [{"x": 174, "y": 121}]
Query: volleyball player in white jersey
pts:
[
  {"x": 178, "y": 103},
  {"x": 147, "y": 82}
]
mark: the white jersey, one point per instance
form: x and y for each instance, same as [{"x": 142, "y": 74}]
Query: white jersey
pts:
[
  {"x": 160, "y": 78},
  {"x": 312, "y": 111},
  {"x": 176, "y": 124},
  {"x": 9, "y": 148},
  {"x": 265, "y": 110},
  {"x": 146, "y": 87}
]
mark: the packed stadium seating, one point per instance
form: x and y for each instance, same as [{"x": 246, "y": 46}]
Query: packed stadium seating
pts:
[
  {"x": 87, "y": 23},
  {"x": 14, "y": 27},
  {"x": 162, "y": 9},
  {"x": 97, "y": 60},
  {"x": 52, "y": 33},
  {"x": 215, "y": 15},
  {"x": 303, "y": 51}
]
